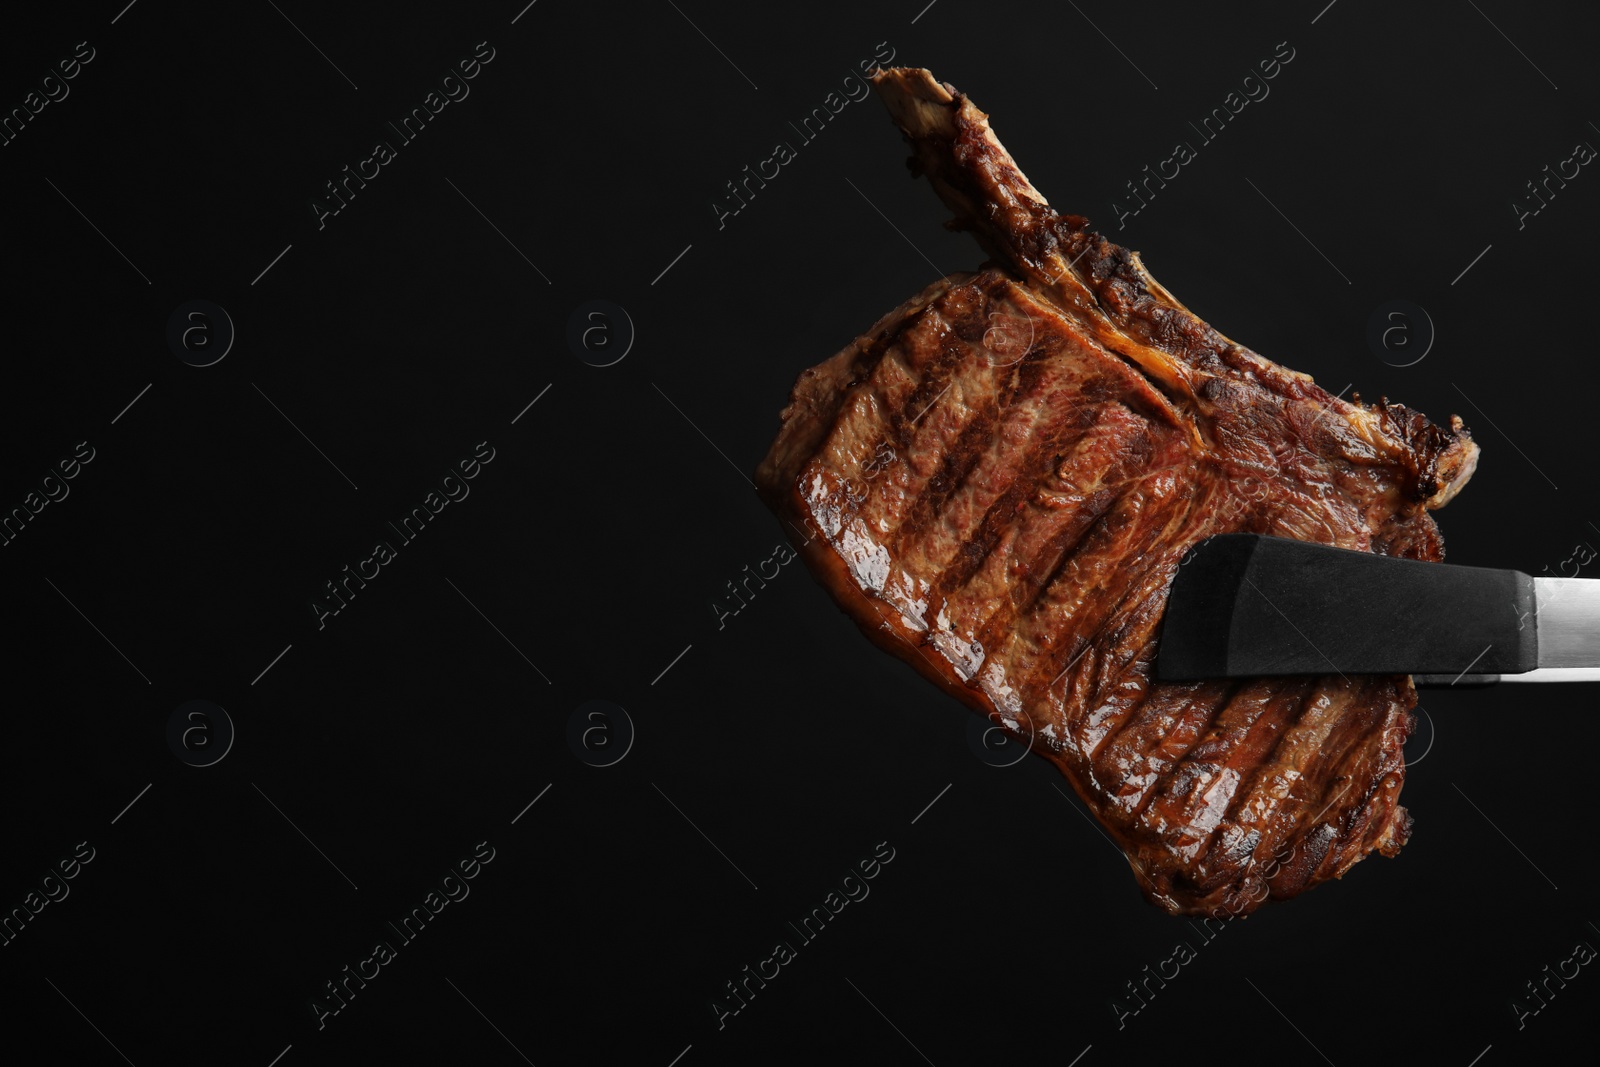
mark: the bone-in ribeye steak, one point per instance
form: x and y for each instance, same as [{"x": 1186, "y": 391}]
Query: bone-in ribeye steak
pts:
[{"x": 1001, "y": 478}]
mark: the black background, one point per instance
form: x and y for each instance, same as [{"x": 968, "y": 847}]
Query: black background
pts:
[{"x": 412, "y": 726}]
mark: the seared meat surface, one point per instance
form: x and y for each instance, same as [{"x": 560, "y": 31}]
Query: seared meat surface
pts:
[{"x": 1002, "y": 476}]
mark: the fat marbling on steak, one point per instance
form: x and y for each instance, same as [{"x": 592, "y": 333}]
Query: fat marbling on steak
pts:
[{"x": 1002, "y": 476}]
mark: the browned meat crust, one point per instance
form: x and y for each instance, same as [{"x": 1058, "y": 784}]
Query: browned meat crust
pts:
[{"x": 1001, "y": 477}]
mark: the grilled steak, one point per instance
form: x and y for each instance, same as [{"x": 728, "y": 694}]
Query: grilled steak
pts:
[{"x": 1002, "y": 476}]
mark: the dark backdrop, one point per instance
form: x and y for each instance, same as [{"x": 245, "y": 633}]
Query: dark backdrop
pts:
[{"x": 772, "y": 753}]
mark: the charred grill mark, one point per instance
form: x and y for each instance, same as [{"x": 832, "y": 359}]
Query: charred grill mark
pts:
[
  {"x": 1134, "y": 538},
  {"x": 1015, "y": 480},
  {"x": 987, "y": 596},
  {"x": 1236, "y": 836},
  {"x": 1346, "y": 714},
  {"x": 896, "y": 474},
  {"x": 940, "y": 347},
  {"x": 1033, "y": 576},
  {"x": 1195, "y": 798},
  {"x": 1279, "y": 769},
  {"x": 1022, "y": 377},
  {"x": 1139, "y": 757},
  {"x": 954, "y": 468}
]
